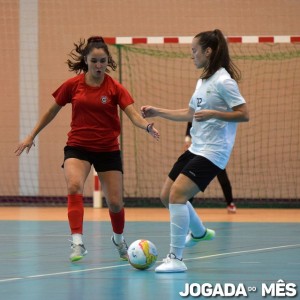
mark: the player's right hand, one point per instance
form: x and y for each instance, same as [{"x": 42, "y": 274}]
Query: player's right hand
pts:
[
  {"x": 148, "y": 111},
  {"x": 27, "y": 143},
  {"x": 187, "y": 143}
]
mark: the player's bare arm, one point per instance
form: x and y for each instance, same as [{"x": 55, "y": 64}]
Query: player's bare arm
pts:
[
  {"x": 180, "y": 115},
  {"x": 239, "y": 114},
  {"x": 138, "y": 121}
]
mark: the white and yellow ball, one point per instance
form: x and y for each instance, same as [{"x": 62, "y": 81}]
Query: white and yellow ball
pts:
[{"x": 142, "y": 254}]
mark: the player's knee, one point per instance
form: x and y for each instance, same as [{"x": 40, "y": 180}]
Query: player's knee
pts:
[
  {"x": 74, "y": 188},
  {"x": 115, "y": 205},
  {"x": 177, "y": 196},
  {"x": 164, "y": 197}
]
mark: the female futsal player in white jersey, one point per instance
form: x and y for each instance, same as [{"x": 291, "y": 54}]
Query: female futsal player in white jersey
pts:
[{"x": 214, "y": 109}]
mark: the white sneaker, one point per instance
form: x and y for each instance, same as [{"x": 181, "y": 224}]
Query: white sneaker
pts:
[
  {"x": 122, "y": 249},
  {"x": 78, "y": 252},
  {"x": 191, "y": 241},
  {"x": 231, "y": 208},
  {"x": 171, "y": 264}
]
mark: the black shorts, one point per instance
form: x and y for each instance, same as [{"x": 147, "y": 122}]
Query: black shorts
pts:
[
  {"x": 102, "y": 161},
  {"x": 198, "y": 168}
]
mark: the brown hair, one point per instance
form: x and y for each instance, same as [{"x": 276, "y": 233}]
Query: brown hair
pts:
[
  {"x": 219, "y": 56},
  {"x": 77, "y": 62}
]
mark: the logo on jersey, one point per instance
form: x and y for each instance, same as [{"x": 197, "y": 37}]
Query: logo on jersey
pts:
[
  {"x": 103, "y": 99},
  {"x": 199, "y": 100},
  {"x": 192, "y": 173}
]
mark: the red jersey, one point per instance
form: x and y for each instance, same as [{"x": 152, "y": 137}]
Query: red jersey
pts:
[{"x": 95, "y": 122}]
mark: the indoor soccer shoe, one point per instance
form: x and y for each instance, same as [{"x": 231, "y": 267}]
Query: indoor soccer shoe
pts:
[
  {"x": 78, "y": 252},
  {"x": 191, "y": 241},
  {"x": 231, "y": 208},
  {"x": 171, "y": 264},
  {"x": 122, "y": 249}
]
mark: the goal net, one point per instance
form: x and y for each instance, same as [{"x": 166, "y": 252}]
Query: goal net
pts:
[
  {"x": 265, "y": 162},
  {"x": 157, "y": 71}
]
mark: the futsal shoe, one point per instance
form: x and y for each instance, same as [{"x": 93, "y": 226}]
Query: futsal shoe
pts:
[
  {"x": 191, "y": 241},
  {"x": 122, "y": 249},
  {"x": 231, "y": 208},
  {"x": 78, "y": 252},
  {"x": 171, "y": 264}
]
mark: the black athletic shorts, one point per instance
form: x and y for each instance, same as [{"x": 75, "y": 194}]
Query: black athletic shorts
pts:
[
  {"x": 102, "y": 161},
  {"x": 198, "y": 168}
]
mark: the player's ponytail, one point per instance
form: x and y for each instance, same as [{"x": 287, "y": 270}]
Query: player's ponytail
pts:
[{"x": 219, "y": 56}]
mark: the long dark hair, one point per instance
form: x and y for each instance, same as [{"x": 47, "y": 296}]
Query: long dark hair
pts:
[
  {"x": 219, "y": 56},
  {"x": 77, "y": 62}
]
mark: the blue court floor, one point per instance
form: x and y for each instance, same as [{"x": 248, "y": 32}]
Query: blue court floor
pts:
[{"x": 34, "y": 262}]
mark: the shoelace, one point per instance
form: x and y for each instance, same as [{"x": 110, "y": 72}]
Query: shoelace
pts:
[
  {"x": 122, "y": 246},
  {"x": 73, "y": 244},
  {"x": 167, "y": 260},
  {"x": 169, "y": 257}
]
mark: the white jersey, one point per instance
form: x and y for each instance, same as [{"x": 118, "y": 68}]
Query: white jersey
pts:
[{"x": 214, "y": 139}]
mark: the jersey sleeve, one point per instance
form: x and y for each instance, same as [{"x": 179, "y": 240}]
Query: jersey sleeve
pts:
[
  {"x": 124, "y": 98},
  {"x": 229, "y": 91},
  {"x": 63, "y": 94}
]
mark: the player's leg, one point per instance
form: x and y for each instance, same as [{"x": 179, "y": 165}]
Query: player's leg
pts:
[
  {"x": 76, "y": 172},
  {"x": 196, "y": 225},
  {"x": 181, "y": 190},
  {"x": 202, "y": 171},
  {"x": 191, "y": 200},
  {"x": 227, "y": 190},
  {"x": 165, "y": 192},
  {"x": 112, "y": 186},
  {"x": 183, "y": 161},
  {"x": 194, "y": 177}
]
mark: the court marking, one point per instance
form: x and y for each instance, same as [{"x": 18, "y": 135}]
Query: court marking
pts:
[
  {"x": 127, "y": 265},
  {"x": 244, "y": 251},
  {"x": 63, "y": 273}
]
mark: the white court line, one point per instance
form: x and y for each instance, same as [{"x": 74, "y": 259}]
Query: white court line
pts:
[
  {"x": 35, "y": 235},
  {"x": 244, "y": 251},
  {"x": 126, "y": 265},
  {"x": 10, "y": 279},
  {"x": 64, "y": 273}
]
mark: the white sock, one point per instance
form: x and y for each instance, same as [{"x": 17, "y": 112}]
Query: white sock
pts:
[
  {"x": 118, "y": 238},
  {"x": 180, "y": 220},
  {"x": 196, "y": 226},
  {"x": 77, "y": 238}
]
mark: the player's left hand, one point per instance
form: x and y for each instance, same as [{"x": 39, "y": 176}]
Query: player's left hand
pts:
[
  {"x": 204, "y": 115},
  {"x": 148, "y": 111}
]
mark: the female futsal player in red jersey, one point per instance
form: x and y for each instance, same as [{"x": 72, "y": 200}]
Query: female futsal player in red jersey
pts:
[{"x": 93, "y": 138}]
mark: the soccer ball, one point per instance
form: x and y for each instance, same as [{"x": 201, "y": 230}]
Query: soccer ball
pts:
[{"x": 142, "y": 254}]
